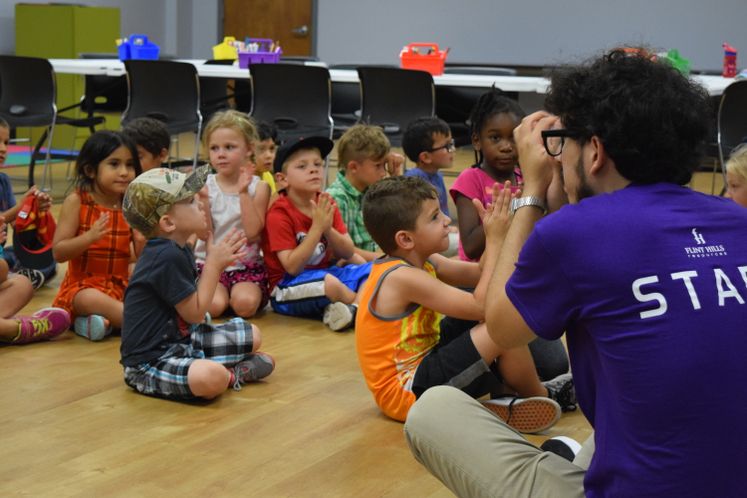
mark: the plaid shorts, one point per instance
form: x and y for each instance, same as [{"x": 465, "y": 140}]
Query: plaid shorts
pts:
[{"x": 227, "y": 343}]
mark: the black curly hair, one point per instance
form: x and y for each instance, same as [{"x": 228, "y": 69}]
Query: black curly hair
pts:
[
  {"x": 418, "y": 136},
  {"x": 652, "y": 121},
  {"x": 490, "y": 103}
]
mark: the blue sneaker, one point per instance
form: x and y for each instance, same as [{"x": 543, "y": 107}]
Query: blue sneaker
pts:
[{"x": 92, "y": 327}]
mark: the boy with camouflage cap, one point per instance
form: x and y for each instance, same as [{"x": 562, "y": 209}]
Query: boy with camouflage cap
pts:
[{"x": 167, "y": 349}]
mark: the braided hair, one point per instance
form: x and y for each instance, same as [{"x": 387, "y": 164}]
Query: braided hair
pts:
[{"x": 490, "y": 103}]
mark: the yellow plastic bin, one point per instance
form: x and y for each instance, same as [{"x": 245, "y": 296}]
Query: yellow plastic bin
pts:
[{"x": 226, "y": 50}]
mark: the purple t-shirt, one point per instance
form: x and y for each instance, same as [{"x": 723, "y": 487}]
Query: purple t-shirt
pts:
[
  {"x": 437, "y": 180},
  {"x": 650, "y": 285}
]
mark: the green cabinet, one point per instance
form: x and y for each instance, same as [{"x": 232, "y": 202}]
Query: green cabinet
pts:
[{"x": 64, "y": 32}]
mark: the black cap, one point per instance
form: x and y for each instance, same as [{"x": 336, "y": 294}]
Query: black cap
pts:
[{"x": 324, "y": 145}]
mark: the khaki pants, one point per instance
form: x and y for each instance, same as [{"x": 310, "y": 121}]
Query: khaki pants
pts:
[{"x": 475, "y": 454}]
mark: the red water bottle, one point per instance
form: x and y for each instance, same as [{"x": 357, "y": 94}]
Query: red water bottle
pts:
[{"x": 730, "y": 61}]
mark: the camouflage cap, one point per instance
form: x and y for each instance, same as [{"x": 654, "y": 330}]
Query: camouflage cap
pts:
[{"x": 152, "y": 194}]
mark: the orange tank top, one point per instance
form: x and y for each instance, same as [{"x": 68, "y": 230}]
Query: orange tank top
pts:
[{"x": 390, "y": 348}]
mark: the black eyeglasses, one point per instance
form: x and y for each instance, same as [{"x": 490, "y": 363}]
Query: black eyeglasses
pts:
[
  {"x": 554, "y": 140},
  {"x": 449, "y": 146}
]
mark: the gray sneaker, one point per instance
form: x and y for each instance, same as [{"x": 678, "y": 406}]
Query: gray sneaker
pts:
[
  {"x": 339, "y": 316},
  {"x": 562, "y": 390},
  {"x": 255, "y": 367}
]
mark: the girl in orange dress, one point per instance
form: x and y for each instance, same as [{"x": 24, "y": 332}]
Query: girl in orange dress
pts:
[{"x": 93, "y": 236}]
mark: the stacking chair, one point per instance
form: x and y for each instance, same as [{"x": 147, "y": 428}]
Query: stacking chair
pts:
[
  {"x": 296, "y": 98},
  {"x": 731, "y": 121},
  {"x": 392, "y": 97},
  {"x": 346, "y": 102},
  {"x": 168, "y": 91},
  {"x": 214, "y": 92},
  {"x": 103, "y": 93},
  {"x": 27, "y": 98}
]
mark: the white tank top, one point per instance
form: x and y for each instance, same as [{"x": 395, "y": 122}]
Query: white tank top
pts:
[{"x": 225, "y": 212}]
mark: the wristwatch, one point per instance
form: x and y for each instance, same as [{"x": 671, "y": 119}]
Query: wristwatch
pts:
[{"x": 529, "y": 200}]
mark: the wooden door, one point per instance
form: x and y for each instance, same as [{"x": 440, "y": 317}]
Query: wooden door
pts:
[{"x": 287, "y": 21}]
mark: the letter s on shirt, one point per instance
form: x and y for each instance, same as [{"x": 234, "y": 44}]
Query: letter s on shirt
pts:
[{"x": 652, "y": 296}]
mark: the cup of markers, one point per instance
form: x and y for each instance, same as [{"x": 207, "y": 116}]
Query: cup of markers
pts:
[{"x": 258, "y": 51}]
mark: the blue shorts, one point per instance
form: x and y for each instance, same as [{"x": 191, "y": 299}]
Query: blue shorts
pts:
[{"x": 303, "y": 294}]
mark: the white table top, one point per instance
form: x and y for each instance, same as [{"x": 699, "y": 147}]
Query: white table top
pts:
[{"x": 715, "y": 85}]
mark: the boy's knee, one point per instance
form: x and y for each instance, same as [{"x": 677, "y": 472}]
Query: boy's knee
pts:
[
  {"x": 433, "y": 402},
  {"x": 256, "y": 338},
  {"x": 207, "y": 379}
]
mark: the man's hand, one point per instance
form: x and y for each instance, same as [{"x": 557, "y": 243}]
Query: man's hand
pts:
[{"x": 536, "y": 164}]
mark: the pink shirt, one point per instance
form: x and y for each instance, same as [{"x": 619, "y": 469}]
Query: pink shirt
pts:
[{"x": 474, "y": 183}]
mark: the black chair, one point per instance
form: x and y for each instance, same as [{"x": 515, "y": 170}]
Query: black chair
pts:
[
  {"x": 103, "y": 93},
  {"x": 346, "y": 102},
  {"x": 214, "y": 92},
  {"x": 296, "y": 98},
  {"x": 27, "y": 98},
  {"x": 168, "y": 91},
  {"x": 731, "y": 121},
  {"x": 393, "y": 97}
]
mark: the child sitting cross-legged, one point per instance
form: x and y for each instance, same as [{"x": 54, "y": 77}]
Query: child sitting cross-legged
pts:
[
  {"x": 93, "y": 236},
  {"x": 304, "y": 236},
  {"x": 166, "y": 348},
  {"x": 15, "y": 292},
  {"x": 404, "y": 346}
]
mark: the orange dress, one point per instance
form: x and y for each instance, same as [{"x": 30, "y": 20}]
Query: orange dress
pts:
[{"x": 105, "y": 264}]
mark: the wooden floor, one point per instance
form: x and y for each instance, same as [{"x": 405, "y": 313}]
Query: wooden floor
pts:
[{"x": 72, "y": 428}]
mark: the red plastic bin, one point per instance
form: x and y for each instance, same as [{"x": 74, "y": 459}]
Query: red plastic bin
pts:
[
  {"x": 261, "y": 56},
  {"x": 424, "y": 57}
]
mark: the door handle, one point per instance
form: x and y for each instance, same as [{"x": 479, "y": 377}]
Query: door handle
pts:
[{"x": 301, "y": 31}]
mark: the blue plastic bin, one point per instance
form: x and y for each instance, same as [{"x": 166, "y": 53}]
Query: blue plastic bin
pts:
[{"x": 138, "y": 47}]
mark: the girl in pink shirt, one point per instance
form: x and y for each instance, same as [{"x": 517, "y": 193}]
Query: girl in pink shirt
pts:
[{"x": 493, "y": 119}]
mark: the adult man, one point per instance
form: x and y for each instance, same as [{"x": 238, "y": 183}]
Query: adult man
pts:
[{"x": 648, "y": 279}]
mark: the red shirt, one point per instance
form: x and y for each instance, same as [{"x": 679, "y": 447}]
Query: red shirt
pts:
[{"x": 285, "y": 228}]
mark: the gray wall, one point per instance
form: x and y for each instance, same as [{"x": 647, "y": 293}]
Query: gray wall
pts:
[{"x": 533, "y": 32}]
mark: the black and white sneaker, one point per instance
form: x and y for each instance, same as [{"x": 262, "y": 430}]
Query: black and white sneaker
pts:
[
  {"x": 339, "y": 316},
  {"x": 36, "y": 276},
  {"x": 562, "y": 446},
  {"x": 562, "y": 390}
]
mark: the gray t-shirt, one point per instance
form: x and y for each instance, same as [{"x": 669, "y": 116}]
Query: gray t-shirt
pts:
[{"x": 165, "y": 275}]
